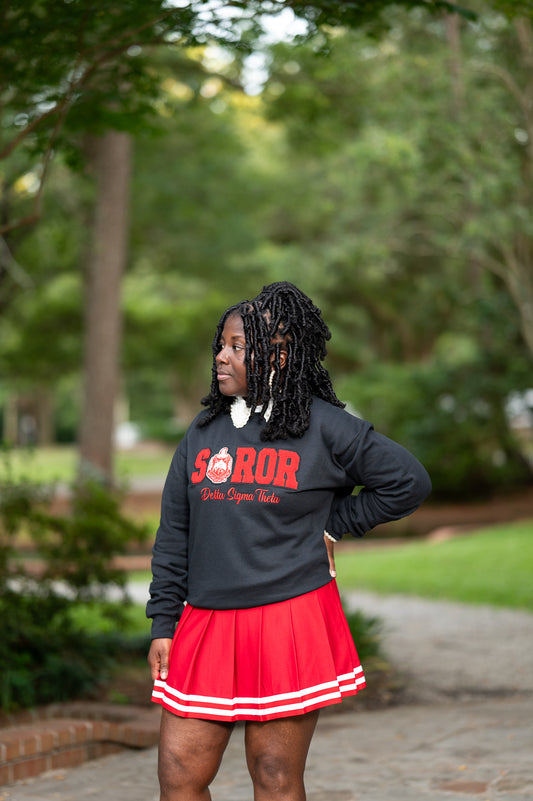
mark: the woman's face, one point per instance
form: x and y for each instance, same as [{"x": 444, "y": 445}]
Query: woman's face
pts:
[{"x": 230, "y": 361}]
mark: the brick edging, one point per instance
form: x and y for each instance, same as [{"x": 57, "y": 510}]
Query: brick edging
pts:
[{"x": 54, "y": 741}]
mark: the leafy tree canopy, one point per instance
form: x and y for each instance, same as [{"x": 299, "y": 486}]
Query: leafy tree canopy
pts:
[{"x": 88, "y": 61}]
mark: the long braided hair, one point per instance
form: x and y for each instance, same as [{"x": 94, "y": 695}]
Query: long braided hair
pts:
[{"x": 280, "y": 318}]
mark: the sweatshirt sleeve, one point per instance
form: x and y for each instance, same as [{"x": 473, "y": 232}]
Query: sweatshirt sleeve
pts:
[
  {"x": 168, "y": 589},
  {"x": 393, "y": 482}
]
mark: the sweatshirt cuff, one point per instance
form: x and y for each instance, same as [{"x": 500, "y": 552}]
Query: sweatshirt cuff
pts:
[
  {"x": 163, "y": 626},
  {"x": 332, "y": 533}
]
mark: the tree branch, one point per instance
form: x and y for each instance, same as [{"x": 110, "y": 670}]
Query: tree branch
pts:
[
  {"x": 83, "y": 55},
  {"x": 525, "y": 39},
  {"x": 507, "y": 79},
  {"x": 495, "y": 265},
  {"x": 129, "y": 35},
  {"x": 12, "y": 266},
  {"x": 10, "y": 147}
]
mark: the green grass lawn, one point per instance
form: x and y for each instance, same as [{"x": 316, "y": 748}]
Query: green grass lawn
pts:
[
  {"x": 59, "y": 463},
  {"x": 491, "y": 566}
]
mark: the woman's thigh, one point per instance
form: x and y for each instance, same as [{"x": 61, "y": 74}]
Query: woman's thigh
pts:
[{"x": 190, "y": 752}]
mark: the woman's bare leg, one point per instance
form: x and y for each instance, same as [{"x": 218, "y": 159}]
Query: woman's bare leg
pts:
[
  {"x": 190, "y": 752},
  {"x": 276, "y": 752}
]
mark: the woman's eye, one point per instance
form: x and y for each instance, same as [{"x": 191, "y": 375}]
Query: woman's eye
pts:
[{"x": 238, "y": 347}]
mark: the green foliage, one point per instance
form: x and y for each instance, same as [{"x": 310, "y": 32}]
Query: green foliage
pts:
[
  {"x": 391, "y": 225},
  {"x": 68, "y": 69},
  {"x": 43, "y": 658},
  {"x": 451, "y": 416},
  {"x": 79, "y": 547},
  {"x": 18, "y": 501},
  {"x": 368, "y": 171},
  {"x": 76, "y": 548},
  {"x": 366, "y": 634},
  {"x": 514, "y": 8},
  {"x": 33, "y": 349},
  {"x": 44, "y": 654},
  {"x": 94, "y": 617},
  {"x": 47, "y": 656}
]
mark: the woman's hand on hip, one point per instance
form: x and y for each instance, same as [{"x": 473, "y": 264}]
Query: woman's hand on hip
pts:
[
  {"x": 158, "y": 657},
  {"x": 330, "y": 547}
]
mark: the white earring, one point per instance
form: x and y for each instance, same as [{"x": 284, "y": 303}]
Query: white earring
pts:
[{"x": 268, "y": 411}]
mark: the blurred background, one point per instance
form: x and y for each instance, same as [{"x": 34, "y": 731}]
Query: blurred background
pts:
[{"x": 162, "y": 160}]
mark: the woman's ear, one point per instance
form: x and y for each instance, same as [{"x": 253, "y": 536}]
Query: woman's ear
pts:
[{"x": 282, "y": 358}]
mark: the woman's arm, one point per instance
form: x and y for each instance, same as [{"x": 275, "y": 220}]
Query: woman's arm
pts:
[
  {"x": 393, "y": 482},
  {"x": 168, "y": 589}
]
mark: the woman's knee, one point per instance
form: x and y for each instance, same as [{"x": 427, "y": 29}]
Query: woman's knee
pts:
[
  {"x": 274, "y": 773},
  {"x": 174, "y": 772}
]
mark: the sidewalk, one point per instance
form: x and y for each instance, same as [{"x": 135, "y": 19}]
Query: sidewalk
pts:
[{"x": 473, "y": 750}]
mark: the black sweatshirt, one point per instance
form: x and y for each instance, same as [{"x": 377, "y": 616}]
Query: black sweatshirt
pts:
[{"x": 242, "y": 520}]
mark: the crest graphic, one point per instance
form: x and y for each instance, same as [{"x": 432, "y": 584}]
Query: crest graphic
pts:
[{"x": 220, "y": 466}]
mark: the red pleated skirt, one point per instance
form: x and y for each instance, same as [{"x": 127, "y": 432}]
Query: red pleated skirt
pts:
[{"x": 267, "y": 662}]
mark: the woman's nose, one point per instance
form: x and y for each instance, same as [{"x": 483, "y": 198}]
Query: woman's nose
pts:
[{"x": 221, "y": 355}]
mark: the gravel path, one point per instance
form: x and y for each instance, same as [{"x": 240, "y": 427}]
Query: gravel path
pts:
[{"x": 451, "y": 649}]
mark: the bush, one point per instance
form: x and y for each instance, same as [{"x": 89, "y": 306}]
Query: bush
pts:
[
  {"x": 44, "y": 655},
  {"x": 166, "y": 430},
  {"x": 366, "y": 633},
  {"x": 452, "y": 417},
  {"x": 43, "y": 658},
  {"x": 78, "y": 548}
]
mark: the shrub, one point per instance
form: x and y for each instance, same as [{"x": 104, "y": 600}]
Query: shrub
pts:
[
  {"x": 44, "y": 655},
  {"x": 452, "y": 417},
  {"x": 43, "y": 658},
  {"x": 366, "y": 633}
]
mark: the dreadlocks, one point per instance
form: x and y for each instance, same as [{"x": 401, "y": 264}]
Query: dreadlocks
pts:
[{"x": 280, "y": 318}]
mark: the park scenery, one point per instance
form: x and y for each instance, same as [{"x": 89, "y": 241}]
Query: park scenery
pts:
[{"x": 159, "y": 162}]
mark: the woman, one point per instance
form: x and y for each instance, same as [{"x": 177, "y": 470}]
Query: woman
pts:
[{"x": 258, "y": 490}]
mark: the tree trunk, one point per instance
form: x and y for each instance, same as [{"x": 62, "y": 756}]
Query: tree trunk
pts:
[
  {"x": 453, "y": 36},
  {"x": 110, "y": 158},
  {"x": 10, "y": 432},
  {"x": 520, "y": 271},
  {"x": 44, "y": 415},
  {"x": 518, "y": 276}
]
